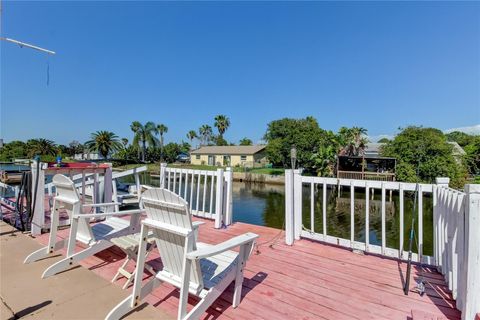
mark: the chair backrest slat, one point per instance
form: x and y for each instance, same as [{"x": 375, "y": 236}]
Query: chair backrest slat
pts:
[
  {"x": 167, "y": 207},
  {"x": 65, "y": 189}
]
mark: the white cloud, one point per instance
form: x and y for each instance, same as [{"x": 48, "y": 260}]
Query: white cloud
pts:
[{"x": 470, "y": 130}]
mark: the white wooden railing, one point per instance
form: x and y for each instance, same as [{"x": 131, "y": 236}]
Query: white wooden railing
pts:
[
  {"x": 456, "y": 227},
  {"x": 294, "y": 186},
  {"x": 457, "y": 244},
  {"x": 209, "y": 193}
]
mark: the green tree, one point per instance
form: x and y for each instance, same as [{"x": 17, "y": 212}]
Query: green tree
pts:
[
  {"x": 246, "y": 142},
  {"x": 171, "y": 152},
  {"x": 383, "y": 140},
  {"x": 75, "y": 147},
  {"x": 282, "y": 134},
  {"x": 423, "y": 154},
  {"x": 42, "y": 147},
  {"x": 125, "y": 143},
  {"x": 222, "y": 122},
  {"x": 13, "y": 150},
  {"x": 191, "y": 135},
  {"x": 161, "y": 130},
  {"x": 461, "y": 138},
  {"x": 103, "y": 142},
  {"x": 205, "y": 134},
  {"x": 472, "y": 157},
  {"x": 144, "y": 134}
]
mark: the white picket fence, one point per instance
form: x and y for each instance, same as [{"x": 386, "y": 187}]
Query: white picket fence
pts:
[
  {"x": 456, "y": 227},
  {"x": 209, "y": 193}
]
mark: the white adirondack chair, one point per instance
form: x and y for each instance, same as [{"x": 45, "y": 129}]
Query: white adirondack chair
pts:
[
  {"x": 97, "y": 236},
  {"x": 199, "y": 269}
]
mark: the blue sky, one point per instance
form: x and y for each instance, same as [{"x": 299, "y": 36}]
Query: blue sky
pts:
[{"x": 380, "y": 65}]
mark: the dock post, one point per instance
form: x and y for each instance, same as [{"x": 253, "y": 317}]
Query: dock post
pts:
[
  {"x": 218, "y": 199},
  {"x": 289, "y": 207},
  {"x": 297, "y": 202},
  {"x": 228, "y": 196},
  {"x": 472, "y": 250},
  {"x": 38, "y": 218},
  {"x": 163, "y": 166}
]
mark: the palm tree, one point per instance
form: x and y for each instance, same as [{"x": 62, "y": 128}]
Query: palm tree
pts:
[
  {"x": 222, "y": 122},
  {"x": 191, "y": 135},
  {"x": 125, "y": 143},
  {"x": 205, "y": 133},
  {"x": 103, "y": 142},
  {"x": 41, "y": 147},
  {"x": 353, "y": 141},
  {"x": 143, "y": 134},
  {"x": 161, "y": 129}
]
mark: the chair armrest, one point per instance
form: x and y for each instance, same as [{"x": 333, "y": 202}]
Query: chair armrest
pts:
[
  {"x": 108, "y": 214},
  {"x": 94, "y": 205},
  {"x": 196, "y": 224},
  {"x": 246, "y": 238}
]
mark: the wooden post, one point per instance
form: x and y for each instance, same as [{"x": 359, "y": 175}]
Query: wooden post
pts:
[
  {"x": 472, "y": 256},
  {"x": 437, "y": 219},
  {"x": 38, "y": 219},
  {"x": 289, "y": 217},
  {"x": 297, "y": 202},
  {"x": 228, "y": 196},
  {"x": 218, "y": 200},
  {"x": 108, "y": 187},
  {"x": 163, "y": 166}
]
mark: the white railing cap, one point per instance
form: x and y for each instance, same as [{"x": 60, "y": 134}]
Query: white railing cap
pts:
[
  {"x": 472, "y": 188},
  {"x": 442, "y": 180}
]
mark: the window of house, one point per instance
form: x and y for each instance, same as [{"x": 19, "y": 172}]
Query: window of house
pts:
[
  {"x": 243, "y": 158},
  {"x": 197, "y": 157}
]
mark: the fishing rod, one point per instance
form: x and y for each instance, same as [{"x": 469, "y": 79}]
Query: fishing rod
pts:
[{"x": 420, "y": 287}]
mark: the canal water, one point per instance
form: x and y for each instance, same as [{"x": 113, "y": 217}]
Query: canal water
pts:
[{"x": 264, "y": 204}]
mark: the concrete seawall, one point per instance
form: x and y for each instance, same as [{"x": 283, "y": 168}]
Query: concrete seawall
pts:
[{"x": 258, "y": 178}]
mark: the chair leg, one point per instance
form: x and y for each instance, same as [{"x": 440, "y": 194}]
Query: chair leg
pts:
[
  {"x": 122, "y": 267},
  {"x": 67, "y": 262},
  {"x": 237, "y": 294},
  {"x": 43, "y": 252},
  {"x": 128, "y": 305}
]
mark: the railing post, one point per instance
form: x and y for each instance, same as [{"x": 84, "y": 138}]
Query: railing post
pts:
[
  {"x": 163, "y": 166},
  {"x": 289, "y": 218},
  {"x": 437, "y": 220},
  {"x": 219, "y": 200},
  {"x": 472, "y": 256},
  {"x": 38, "y": 219},
  {"x": 297, "y": 202},
  {"x": 228, "y": 195}
]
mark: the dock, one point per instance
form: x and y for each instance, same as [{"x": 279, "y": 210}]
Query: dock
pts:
[{"x": 310, "y": 280}]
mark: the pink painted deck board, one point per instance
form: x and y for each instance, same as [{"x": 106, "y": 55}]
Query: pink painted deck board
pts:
[{"x": 309, "y": 280}]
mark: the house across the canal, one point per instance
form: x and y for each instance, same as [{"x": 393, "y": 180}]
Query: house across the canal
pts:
[
  {"x": 370, "y": 166},
  {"x": 248, "y": 156}
]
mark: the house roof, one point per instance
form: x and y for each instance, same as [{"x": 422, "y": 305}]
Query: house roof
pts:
[
  {"x": 238, "y": 150},
  {"x": 373, "y": 147},
  {"x": 457, "y": 149}
]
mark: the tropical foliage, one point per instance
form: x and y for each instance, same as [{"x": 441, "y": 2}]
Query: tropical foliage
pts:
[
  {"x": 103, "y": 142},
  {"x": 41, "y": 147},
  {"x": 143, "y": 135},
  {"x": 222, "y": 122},
  {"x": 423, "y": 154},
  {"x": 205, "y": 134},
  {"x": 161, "y": 130},
  {"x": 246, "y": 142}
]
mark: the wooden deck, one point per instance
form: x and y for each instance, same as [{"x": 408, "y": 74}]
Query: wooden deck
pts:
[{"x": 306, "y": 281}]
